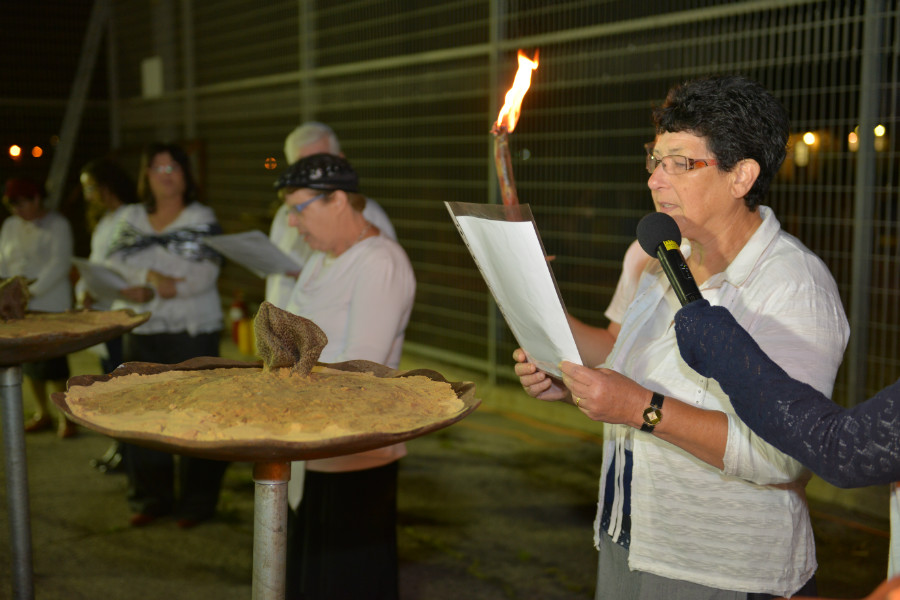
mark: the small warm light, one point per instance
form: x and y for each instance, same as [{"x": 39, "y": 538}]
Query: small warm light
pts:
[
  {"x": 880, "y": 130},
  {"x": 853, "y": 141},
  {"x": 809, "y": 138},
  {"x": 37, "y": 152},
  {"x": 15, "y": 151},
  {"x": 271, "y": 163}
]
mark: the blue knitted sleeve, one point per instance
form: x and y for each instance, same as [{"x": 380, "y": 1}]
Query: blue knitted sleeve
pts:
[{"x": 852, "y": 447}]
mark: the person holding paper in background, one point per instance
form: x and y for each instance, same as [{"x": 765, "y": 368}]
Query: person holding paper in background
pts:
[
  {"x": 307, "y": 139},
  {"x": 157, "y": 246},
  {"x": 106, "y": 187},
  {"x": 358, "y": 286},
  {"x": 36, "y": 243},
  {"x": 692, "y": 504}
]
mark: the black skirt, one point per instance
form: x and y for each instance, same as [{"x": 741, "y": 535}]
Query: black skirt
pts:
[
  {"x": 343, "y": 541},
  {"x": 54, "y": 369}
]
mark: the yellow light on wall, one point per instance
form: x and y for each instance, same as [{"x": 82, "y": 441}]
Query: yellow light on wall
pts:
[
  {"x": 853, "y": 141},
  {"x": 809, "y": 138},
  {"x": 15, "y": 151},
  {"x": 879, "y": 130},
  {"x": 801, "y": 154}
]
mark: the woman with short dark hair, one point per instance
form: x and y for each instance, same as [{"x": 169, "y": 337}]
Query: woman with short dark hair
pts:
[{"x": 692, "y": 504}]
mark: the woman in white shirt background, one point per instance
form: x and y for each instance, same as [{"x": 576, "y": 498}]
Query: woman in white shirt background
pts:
[
  {"x": 36, "y": 243},
  {"x": 106, "y": 188},
  {"x": 358, "y": 286},
  {"x": 157, "y": 246}
]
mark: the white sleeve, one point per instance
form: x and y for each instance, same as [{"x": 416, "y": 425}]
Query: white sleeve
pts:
[
  {"x": 4, "y": 231},
  {"x": 632, "y": 266}
]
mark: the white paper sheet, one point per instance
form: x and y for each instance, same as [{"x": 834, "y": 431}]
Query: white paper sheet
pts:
[
  {"x": 102, "y": 282},
  {"x": 512, "y": 261},
  {"x": 253, "y": 250}
]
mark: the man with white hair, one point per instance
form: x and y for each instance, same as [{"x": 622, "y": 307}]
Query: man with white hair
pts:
[{"x": 307, "y": 139}]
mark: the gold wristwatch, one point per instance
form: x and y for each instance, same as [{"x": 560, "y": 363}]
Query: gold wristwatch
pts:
[{"x": 653, "y": 413}]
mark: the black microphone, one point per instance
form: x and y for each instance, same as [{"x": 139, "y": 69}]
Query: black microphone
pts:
[{"x": 659, "y": 236}]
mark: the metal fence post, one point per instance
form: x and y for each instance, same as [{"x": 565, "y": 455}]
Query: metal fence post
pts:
[{"x": 864, "y": 201}]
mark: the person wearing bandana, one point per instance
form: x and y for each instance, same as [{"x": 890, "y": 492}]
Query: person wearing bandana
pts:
[
  {"x": 157, "y": 247},
  {"x": 358, "y": 286}
]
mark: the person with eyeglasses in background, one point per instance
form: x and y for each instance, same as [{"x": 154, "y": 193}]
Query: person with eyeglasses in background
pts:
[
  {"x": 305, "y": 140},
  {"x": 358, "y": 286},
  {"x": 693, "y": 504},
  {"x": 157, "y": 247},
  {"x": 311, "y": 137},
  {"x": 36, "y": 243}
]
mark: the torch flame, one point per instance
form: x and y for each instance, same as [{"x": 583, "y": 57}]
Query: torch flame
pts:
[{"x": 509, "y": 114}]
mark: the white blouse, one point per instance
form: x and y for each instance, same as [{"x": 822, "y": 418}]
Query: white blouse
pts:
[
  {"x": 196, "y": 307},
  {"x": 362, "y": 300},
  {"x": 40, "y": 250}
]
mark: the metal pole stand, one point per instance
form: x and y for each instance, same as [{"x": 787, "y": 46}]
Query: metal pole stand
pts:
[
  {"x": 17, "y": 481},
  {"x": 270, "y": 507}
]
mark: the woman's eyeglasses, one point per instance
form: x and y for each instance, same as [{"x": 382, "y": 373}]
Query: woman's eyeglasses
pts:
[
  {"x": 298, "y": 208},
  {"x": 675, "y": 164},
  {"x": 164, "y": 169}
]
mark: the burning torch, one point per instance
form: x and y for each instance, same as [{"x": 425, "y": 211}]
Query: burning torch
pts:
[{"x": 506, "y": 122}]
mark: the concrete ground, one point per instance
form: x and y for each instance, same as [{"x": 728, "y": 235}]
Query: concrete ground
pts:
[{"x": 498, "y": 506}]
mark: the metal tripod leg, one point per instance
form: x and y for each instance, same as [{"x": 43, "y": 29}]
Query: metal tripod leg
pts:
[
  {"x": 16, "y": 481},
  {"x": 270, "y": 529}
]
